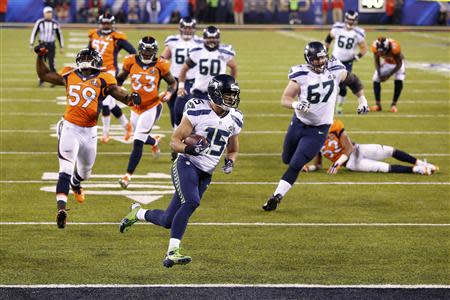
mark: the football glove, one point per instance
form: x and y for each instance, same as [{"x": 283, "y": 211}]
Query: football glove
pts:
[
  {"x": 40, "y": 50},
  {"x": 363, "y": 107},
  {"x": 197, "y": 149},
  {"x": 334, "y": 169},
  {"x": 227, "y": 168},
  {"x": 301, "y": 106},
  {"x": 134, "y": 99}
]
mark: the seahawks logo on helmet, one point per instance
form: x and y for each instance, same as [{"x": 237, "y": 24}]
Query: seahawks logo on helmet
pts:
[
  {"x": 316, "y": 56},
  {"x": 223, "y": 90}
]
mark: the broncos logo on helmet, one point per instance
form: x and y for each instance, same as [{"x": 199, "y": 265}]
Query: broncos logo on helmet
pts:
[
  {"x": 187, "y": 28},
  {"x": 351, "y": 19},
  {"x": 382, "y": 44},
  {"x": 106, "y": 22},
  {"x": 88, "y": 58},
  {"x": 148, "y": 48},
  {"x": 316, "y": 56},
  {"x": 211, "y": 37},
  {"x": 223, "y": 90}
]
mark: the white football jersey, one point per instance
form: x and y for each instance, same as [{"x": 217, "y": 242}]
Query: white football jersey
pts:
[
  {"x": 179, "y": 50},
  {"x": 210, "y": 64},
  {"x": 320, "y": 90},
  {"x": 346, "y": 41},
  {"x": 217, "y": 129}
]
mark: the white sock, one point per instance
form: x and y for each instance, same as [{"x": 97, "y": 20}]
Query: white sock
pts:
[
  {"x": 61, "y": 197},
  {"x": 141, "y": 214},
  {"x": 340, "y": 99},
  {"x": 173, "y": 244},
  {"x": 123, "y": 121},
  {"x": 106, "y": 125},
  {"x": 282, "y": 188},
  {"x": 418, "y": 162}
]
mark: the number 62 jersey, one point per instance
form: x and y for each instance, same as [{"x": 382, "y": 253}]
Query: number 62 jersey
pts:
[
  {"x": 216, "y": 129},
  {"x": 319, "y": 89}
]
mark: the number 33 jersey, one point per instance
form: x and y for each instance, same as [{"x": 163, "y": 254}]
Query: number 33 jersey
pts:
[
  {"x": 319, "y": 89},
  {"x": 145, "y": 80},
  {"x": 216, "y": 129},
  {"x": 85, "y": 95}
]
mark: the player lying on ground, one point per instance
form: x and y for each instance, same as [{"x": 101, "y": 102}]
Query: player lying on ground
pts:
[{"x": 364, "y": 157}]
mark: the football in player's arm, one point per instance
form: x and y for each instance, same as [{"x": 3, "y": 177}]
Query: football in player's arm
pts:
[
  {"x": 86, "y": 86},
  {"x": 146, "y": 71},
  {"x": 364, "y": 157},
  {"x": 393, "y": 64},
  {"x": 220, "y": 122}
]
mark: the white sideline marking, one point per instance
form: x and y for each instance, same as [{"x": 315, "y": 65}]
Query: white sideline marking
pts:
[
  {"x": 262, "y": 115},
  {"x": 231, "y": 285},
  {"x": 295, "y": 35},
  {"x": 265, "y": 183},
  {"x": 263, "y": 224},
  {"x": 128, "y": 153},
  {"x": 258, "y": 131}
]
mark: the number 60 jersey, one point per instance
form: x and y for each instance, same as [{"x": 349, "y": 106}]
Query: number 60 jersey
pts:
[
  {"x": 216, "y": 129},
  {"x": 319, "y": 89}
]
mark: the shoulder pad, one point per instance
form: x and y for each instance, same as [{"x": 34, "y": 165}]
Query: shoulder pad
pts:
[
  {"x": 66, "y": 71},
  {"x": 195, "y": 49},
  {"x": 238, "y": 118},
  {"x": 118, "y": 35},
  {"x": 338, "y": 25},
  {"x": 297, "y": 71},
  {"x": 171, "y": 38}
]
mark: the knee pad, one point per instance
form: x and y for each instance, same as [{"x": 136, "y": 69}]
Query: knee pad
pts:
[
  {"x": 62, "y": 187},
  {"x": 105, "y": 111},
  {"x": 116, "y": 111},
  {"x": 342, "y": 90}
]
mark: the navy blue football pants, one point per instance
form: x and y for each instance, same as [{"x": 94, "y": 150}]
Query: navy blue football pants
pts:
[
  {"x": 180, "y": 102},
  {"x": 301, "y": 143},
  {"x": 190, "y": 183}
]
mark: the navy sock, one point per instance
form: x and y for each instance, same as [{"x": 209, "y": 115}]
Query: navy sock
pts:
[
  {"x": 377, "y": 91},
  {"x": 105, "y": 111},
  {"x": 158, "y": 217},
  {"x": 181, "y": 220},
  {"x": 398, "y": 86},
  {"x": 62, "y": 187},
  {"x": 403, "y": 156},
  {"x": 135, "y": 156},
  {"x": 291, "y": 175},
  {"x": 116, "y": 111},
  {"x": 76, "y": 179},
  {"x": 150, "y": 141},
  {"x": 400, "y": 169},
  {"x": 61, "y": 204}
]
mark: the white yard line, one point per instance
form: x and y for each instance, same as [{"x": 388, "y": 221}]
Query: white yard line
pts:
[
  {"x": 258, "y": 182},
  {"x": 238, "y": 224},
  {"x": 33, "y": 153},
  {"x": 229, "y": 285}
]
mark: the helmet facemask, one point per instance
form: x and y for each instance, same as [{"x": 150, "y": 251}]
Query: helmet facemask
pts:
[
  {"x": 351, "y": 19},
  {"x": 317, "y": 59},
  {"x": 88, "y": 60},
  {"x": 106, "y": 23},
  {"x": 382, "y": 45},
  {"x": 211, "y": 38},
  {"x": 187, "y": 28},
  {"x": 148, "y": 49},
  {"x": 225, "y": 97}
]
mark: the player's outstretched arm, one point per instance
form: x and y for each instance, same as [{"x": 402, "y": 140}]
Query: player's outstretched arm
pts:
[
  {"x": 231, "y": 155},
  {"x": 232, "y": 64},
  {"x": 347, "y": 149},
  {"x": 355, "y": 84},
  {"x": 44, "y": 72},
  {"x": 328, "y": 40},
  {"x": 315, "y": 166},
  {"x": 291, "y": 92},
  {"x": 171, "y": 87},
  {"x": 362, "y": 50},
  {"x": 166, "y": 53},
  {"x": 122, "y": 77},
  {"x": 182, "y": 77},
  {"x": 122, "y": 95}
]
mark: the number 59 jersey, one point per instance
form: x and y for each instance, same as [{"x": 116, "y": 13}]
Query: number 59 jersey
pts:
[
  {"x": 210, "y": 64},
  {"x": 85, "y": 95},
  {"x": 319, "y": 89},
  {"x": 216, "y": 129}
]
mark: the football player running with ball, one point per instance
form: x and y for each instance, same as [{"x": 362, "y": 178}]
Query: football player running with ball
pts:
[
  {"x": 364, "y": 157},
  {"x": 347, "y": 38},
  {"x": 86, "y": 87},
  {"x": 146, "y": 71},
  {"x": 217, "y": 119},
  {"x": 315, "y": 85}
]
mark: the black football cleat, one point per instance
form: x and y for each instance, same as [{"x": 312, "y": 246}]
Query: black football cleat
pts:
[
  {"x": 272, "y": 203},
  {"x": 61, "y": 218}
]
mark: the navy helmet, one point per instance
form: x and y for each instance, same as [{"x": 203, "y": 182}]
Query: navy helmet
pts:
[{"x": 224, "y": 91}]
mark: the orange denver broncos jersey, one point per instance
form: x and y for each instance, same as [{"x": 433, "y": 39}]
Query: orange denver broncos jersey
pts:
[
  {"x": 106, "y": 45},
  {"x": 394, "y": 51},
  {"x": 332, "y": 148},
  {"x": 84, "y": 96},
  {"x": 145, "y": 80}
]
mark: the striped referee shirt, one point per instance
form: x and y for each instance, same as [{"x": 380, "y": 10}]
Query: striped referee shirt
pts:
[{"x": 48, "y": 31}]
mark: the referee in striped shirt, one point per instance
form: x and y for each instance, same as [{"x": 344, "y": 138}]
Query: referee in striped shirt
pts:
[{"x": 48, "y": 30}]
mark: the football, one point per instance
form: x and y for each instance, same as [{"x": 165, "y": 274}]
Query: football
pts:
[{"x": 194, "y": 139}]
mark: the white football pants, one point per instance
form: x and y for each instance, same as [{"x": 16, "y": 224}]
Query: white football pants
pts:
[
  {"x": 144, "y": 122},
  {"x": 386, "y": 68},
  {"x": 367, "y": 158}
]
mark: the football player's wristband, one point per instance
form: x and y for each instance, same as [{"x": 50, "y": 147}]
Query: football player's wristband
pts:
[
  {"x": 342, "y": 159},
  {"x": 181, "y": 84}
]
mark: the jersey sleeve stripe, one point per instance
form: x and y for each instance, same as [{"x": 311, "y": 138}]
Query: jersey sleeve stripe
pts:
[
  {"x": 360, "y": 33},
  {"x": 226, "y": 52},
  {"x": 171, "y": 40},
  {"x": 237, "y": 121},
  {"x": 195, "y": 49},
  {"x": 334, "y": 68},
  {"x": 297, "y": 74},
  {"x": 198, "y": 112}
]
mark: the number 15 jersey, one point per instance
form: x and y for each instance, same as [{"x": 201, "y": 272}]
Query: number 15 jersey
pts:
[{"x": 319, "y": 89}]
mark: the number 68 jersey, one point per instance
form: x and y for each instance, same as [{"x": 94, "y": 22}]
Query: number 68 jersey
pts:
[
  {"x": 216, "y": 129},
  {"x": 319, "y": 89}
]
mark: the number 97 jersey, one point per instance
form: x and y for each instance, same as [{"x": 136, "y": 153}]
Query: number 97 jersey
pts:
[{"x": 319, "y": 89}]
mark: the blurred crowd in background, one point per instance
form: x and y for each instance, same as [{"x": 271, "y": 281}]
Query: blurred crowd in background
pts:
[{"x": 413, "y": 12}]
